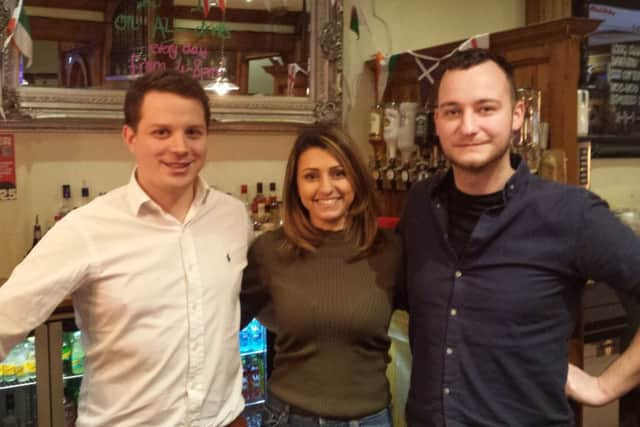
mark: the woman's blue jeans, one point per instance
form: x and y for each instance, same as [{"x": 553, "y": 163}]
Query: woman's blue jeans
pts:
[{"x": 277, "y": 413}]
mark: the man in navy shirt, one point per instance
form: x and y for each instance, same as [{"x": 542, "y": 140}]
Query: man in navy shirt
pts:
[{"x": 496, "y": 260}]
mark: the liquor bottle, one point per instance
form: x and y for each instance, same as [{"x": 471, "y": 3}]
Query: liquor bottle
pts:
[
  {"x": 273, "y": 205},
  {"x": 84, "y": 193},
  {"x": 403, "y": 177},
  {"x": 390, "y": 175},
  {"x": 421, "y": 128},
  {"x": 65, "y": 206},
  {"x": 391, "y": 128},
  {"x": 37, "y": 234},
  {"x": 258, "y": 199},
  {"x": 244, "y": 197},
  {"x": 377, "y": 173},
  {"x": 376, "y": 126}
]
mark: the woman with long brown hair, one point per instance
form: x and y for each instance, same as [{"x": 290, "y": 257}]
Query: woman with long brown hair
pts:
[{"x": 328, "y": 277}]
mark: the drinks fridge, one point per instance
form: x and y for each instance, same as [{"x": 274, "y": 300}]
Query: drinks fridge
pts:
[
  {"x": 40, "y": 379},
  {"x": 24, "y": 383}
]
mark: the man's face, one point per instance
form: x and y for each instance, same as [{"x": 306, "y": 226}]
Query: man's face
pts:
[
  {"x": 169, "y": 144},
  {"x": 476, "y": 117}
]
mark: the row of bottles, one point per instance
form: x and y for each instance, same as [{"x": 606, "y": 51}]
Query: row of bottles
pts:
[
  {"x": 252, "y": 337},
  {"x": 264, "y": 210},
  {"x": 66, "y": 206},
  {"x": 253, "y": 378},
  {"x": 72, "y": 354},
  {"x": 20, "y": 365},
  {"x": 408, "y": 130}
]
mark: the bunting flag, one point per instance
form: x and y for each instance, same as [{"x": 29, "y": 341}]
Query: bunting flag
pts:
[
  {"x": 355, "y": 23},
  {"x": 205, "y": 8},
  {"x": 222, "y": 6},
  {"x": 19, "y": 32},
  {"x": 384, "y": 67},
  {"x": 478, "y": 41}
]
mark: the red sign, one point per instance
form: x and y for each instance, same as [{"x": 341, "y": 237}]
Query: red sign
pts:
[{"x": 7, "y": 167}]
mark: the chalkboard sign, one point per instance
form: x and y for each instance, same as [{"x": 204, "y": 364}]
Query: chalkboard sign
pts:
[{"x": 623, "y": 75}]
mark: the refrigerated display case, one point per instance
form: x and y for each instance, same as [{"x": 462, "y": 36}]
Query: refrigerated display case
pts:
[
  {"x": 24, "y": 383},
  {"x": 47, "y": 395},
  {"x": 253, "y": 350}
]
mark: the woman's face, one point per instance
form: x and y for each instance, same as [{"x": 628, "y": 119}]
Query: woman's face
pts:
[{"x": 324, "y": 189}]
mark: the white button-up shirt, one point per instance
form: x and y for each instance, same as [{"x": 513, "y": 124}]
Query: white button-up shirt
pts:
[{"x": 156, "y": 300}]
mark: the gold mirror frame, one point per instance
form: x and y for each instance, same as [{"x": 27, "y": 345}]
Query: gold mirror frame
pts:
[{"x": 34, "y": 108}]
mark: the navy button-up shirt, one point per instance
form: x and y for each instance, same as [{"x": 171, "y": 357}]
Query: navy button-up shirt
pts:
[{"x": 489, "y": 330}]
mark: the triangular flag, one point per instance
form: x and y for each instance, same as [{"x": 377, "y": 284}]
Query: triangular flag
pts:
[
  {"x": 355, "y": 23},
  {"x": 478, "y": 41},
  {"x": 19, "y": 32},
  {"x": 384, "y": 68},
  {"x": 222, "y": 6},
  {"x": 205, "y": 8}
]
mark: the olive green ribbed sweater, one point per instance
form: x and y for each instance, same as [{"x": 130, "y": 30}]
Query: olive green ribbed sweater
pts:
[{"x": 332, "y": 318}]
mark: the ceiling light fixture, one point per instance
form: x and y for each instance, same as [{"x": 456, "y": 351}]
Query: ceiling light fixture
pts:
[{"x": 222, "y": 85}]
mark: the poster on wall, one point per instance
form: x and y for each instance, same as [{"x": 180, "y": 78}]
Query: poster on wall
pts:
[{"x": 7, "y": 168}]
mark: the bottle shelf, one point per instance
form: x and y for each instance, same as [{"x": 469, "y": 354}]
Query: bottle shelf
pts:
[
  {"x": 17, "y": 385},
  {"x": 71, "y": 377},
  {"x": 254, "y": 403},
  {"x": 249, "y": 353}
]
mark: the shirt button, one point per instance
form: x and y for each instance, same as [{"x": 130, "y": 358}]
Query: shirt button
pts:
[
  {"x": 511, "y": 187},
  {"x": 437, "y": 205},
  {"x": 449, "y": 351},
  {"x": 458, "y": 274},
  {"x": 446, "y": 391},
  {"x": 454, "y": 312}
]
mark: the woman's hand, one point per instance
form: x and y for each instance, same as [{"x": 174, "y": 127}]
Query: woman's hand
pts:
[{"x": 585, "y": 389}]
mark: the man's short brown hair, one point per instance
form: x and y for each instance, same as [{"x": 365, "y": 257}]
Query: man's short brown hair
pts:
[
  {"x": 168, "y": 81},
  {"x": 465, "y": 59}
]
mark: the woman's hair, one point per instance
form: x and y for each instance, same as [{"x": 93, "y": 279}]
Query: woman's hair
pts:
[{"x": 361, "y": 226}]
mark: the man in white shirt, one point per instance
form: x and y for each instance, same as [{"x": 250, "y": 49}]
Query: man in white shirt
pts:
[{"x": 154, "y": 269}]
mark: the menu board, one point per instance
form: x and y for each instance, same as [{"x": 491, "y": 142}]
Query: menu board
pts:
[
  {"x": 623, "y": 75},
  {"x": 7, "y": 168}
]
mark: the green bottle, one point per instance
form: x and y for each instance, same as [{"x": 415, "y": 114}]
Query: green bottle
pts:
[{"x": 66, "y": 353}]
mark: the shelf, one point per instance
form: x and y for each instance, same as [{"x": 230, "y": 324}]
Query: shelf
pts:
[
  {"x": 613, "y": 146},
  {"x": 249, "y": 353},
  {"x": 16, "y": 386},
  {"x": 71, "y": 377}
]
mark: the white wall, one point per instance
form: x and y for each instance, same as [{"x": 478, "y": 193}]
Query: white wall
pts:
[
  {"x": 397, "y": 26},
  {"x": 46, "y": 161},
  {"x": 617, "y": 181}
]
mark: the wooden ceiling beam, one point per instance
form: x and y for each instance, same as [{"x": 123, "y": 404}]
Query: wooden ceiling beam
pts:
[
  {"x": 243, "y": 15},
  {"x": 67, "y": 30},
  {"x": 97, "y": 5}
]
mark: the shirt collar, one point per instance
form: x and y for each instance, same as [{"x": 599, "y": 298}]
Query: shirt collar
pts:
[
  {"x": 138, "y": 198},
  {"x": 517, "y": 181}
]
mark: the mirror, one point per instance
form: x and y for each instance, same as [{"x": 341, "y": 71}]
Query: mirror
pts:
[{"x": 284, "y": 56}]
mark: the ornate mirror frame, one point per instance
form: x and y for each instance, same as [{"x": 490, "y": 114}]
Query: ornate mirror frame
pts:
[{"x": 34, "y": 108}]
